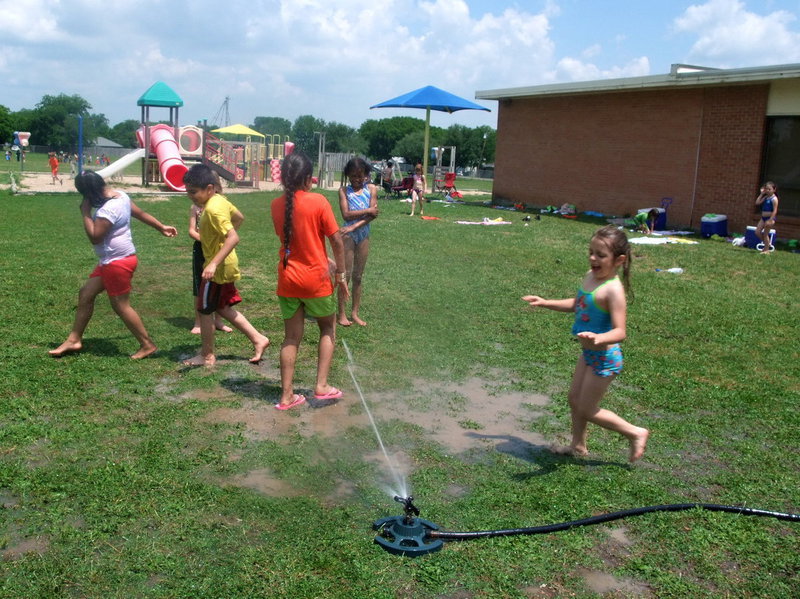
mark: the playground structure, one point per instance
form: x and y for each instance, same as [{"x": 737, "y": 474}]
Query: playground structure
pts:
[{"x": 168, "y": 149}]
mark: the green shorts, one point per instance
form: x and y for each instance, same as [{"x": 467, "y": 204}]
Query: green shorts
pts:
[{"x": 315, "y": 307}]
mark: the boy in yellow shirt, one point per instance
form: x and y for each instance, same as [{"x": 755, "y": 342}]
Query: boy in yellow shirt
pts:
[{"x": 217, "y": 292}]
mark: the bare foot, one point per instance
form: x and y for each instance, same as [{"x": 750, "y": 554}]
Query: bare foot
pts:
[
  {"x": 65, "y": 348},
  {"x": 221, "y": 326},
  {"x": 195, "y": 330},
  {"x": 638, "y": 444},
  {"x": 343, "y": 321},
  {"x": 200, "y": 360},
  {"x": 358, "y": 321},
  {"x": 144, "y": 351},
  {"x": 569, "y": 450},
  {"x": 259, "y": 347}
]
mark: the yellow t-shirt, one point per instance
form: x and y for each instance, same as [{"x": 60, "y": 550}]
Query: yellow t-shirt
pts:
[{"x": 215, "y": 223}]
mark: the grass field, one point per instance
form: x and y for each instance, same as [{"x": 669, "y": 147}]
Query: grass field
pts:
[{"x": 147, "y": 479}]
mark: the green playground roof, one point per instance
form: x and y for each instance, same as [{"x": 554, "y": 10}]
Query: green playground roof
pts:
[{"x": 160, "y": 94}]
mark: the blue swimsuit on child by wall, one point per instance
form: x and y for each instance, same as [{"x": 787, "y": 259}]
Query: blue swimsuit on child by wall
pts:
[
  {"x": 766, "y": 206},
  {"x": 592, "y": 318},
  {"x": 358, "y": 201}
]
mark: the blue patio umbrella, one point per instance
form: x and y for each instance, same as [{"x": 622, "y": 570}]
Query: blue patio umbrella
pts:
[{"x": 430, "y": 98}]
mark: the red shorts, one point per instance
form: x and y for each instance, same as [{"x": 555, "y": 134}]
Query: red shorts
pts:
[
  {"x": 117, "y": 275},
  {"x": 211, "y": 296}
]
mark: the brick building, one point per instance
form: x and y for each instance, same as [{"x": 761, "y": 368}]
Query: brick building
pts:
[{"x": 706, "y": 138}]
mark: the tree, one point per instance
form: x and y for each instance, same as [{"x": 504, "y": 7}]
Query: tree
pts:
[
  {"x": 6, "y": 125},
  {"x": 51, "y": 124},
  {"x": 381, "y": 136},
  {"x": 488, "y": 137},
  {"x": 272, "y": 125},
  {"x": 303, "y": 134},
  {"x": 472, "y": 148},
  {"x": 410, "y": 147},
  {"x": 343, "y": 138},
  {"x": 124, "y": 133},
  {"x": 54, "y": 121}
]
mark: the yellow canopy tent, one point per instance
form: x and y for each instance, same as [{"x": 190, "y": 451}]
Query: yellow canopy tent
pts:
[{"x": 238, "y": 130}]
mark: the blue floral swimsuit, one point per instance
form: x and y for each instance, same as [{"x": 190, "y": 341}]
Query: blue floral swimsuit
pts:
[{"x": 591, "y": 317}]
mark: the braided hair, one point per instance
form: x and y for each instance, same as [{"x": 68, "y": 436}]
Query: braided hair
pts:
[{"x": 295, "y": 173}]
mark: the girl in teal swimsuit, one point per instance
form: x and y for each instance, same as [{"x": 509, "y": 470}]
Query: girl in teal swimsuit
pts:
[{"x": 600, "y": 308}]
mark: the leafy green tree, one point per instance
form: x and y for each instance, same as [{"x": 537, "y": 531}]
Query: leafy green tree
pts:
[
  {"x": 343, "y": 138},
  {"x": 22, "y": 119},
  {"x": 303, "y": 134},
  {"x": 124, "y": 133},
  {"x": 488, "y": 138},
  {"x": 381, "y": 136},
  {"x": 459, "y": 136},
  {"x": 6, "y": 125},
  {"x": 273, "y": 125},
  {"x": 471, "y": 146},
  {"x": 410, "y": 147},
  {"x": 52, "y": 124}
]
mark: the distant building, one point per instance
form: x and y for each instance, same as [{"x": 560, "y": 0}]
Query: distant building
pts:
[
  {"x": 706, "y": 138},
  {"x": 110, "y": 148}
]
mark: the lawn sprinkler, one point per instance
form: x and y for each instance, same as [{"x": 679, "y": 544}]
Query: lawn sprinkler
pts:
[
  {"x": 411, "y": 536},
  {"x": 407, "y": 535}
]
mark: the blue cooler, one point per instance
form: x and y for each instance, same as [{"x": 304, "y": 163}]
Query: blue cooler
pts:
[
  {"x": 714, "y": 224},
  {"x": 751, "y": 240},
  {"x": 661, "y": 219}
]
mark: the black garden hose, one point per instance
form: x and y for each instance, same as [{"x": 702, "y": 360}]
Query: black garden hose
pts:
[{"x": 548, "y": 528}]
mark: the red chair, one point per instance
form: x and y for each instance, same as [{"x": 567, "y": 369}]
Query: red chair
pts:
[
  {"x": 405, "y": 187},
  {"x": 449, "y": 183}
]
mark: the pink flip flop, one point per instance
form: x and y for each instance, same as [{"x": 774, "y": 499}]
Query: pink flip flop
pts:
[
  {"x": 297, "y": 400},
  {"x": 334, "y": 393}
]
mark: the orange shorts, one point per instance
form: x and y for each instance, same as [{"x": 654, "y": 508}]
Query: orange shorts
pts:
[{"x": 117, "y": 275}]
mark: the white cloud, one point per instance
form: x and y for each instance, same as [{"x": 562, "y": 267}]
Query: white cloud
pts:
[
  {"x": 29, "y": 21},
  {"x": 730, "y": 35},
  {"x": 591, "y": 51},
  {"x": 335, "y": 59},
  {"x": 576, "y": 70}
]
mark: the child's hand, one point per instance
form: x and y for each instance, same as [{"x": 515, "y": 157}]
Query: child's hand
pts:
[
  {"x": 208, "y": 271},
  {"x": 343, "y": 289},
  {"x": 168, "y": 231},
  {"x": 589, "y": 336},
  {"x": 534, "y": 300}
]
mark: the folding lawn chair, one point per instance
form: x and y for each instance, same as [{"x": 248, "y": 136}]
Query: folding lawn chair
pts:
[
  {"x": 404, "y": 189},
  {"x": 449, "y": 185}
]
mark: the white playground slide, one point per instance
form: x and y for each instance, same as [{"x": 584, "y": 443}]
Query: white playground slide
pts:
[{"x": 121, "y": 163}]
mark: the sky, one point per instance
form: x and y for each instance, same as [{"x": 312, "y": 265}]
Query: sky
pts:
[{"x": 333, "y": 59}]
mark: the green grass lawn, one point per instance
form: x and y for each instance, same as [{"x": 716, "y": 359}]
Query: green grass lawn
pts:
[{"x": 147, "y": 479}]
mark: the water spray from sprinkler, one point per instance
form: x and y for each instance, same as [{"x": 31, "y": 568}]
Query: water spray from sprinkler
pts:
[{"x": 399, "y": 479}]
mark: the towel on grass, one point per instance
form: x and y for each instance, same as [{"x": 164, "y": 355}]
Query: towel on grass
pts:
[
  {"x": 661, "y": 240},
  {"x": 485, "y": 221}
]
